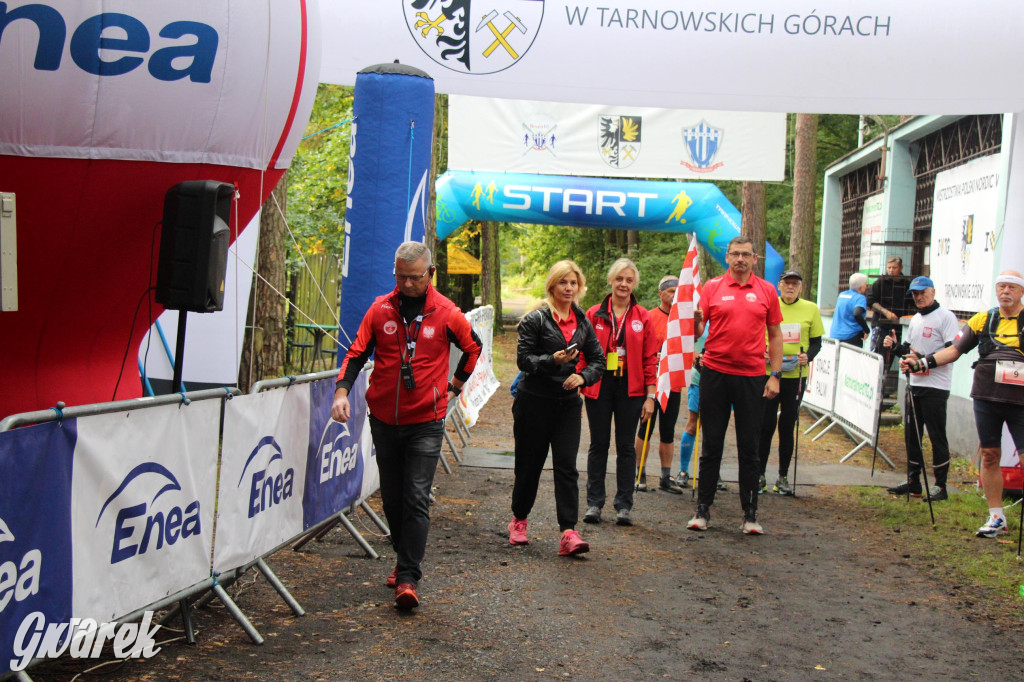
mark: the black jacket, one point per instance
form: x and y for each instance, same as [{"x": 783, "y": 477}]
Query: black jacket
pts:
[{"x": 540, "y": 338}]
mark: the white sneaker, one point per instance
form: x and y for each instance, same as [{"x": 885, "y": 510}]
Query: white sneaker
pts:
[
  {"x": 996, "y": 525},
  {"x": 751, "y": 526},
  {"x": 700, "y": 519}
]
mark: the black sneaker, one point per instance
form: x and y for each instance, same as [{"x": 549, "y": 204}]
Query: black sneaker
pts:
[
  {"x": 937, "y": 494},
  {"x": 914, "y": 488},
  {"x": 669, "y": 486},
  {"x": 641, "y": 485}
]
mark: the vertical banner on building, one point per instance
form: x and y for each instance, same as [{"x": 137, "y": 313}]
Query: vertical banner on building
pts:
[
  {"x": 482, "y": 384},
  {"x": 35, "y": 528},
  {"x": 335, "y": 452},
  {"x": 871, "y": 236},
  {"x": 964, "y": 232},
  {"x": 857, "y": 397},
  {"x": 388, "y": 175},
  {"x": 142, "y": 504},
  {"x": 262, "y": 474},
  {"x": 819, "y": 391}
]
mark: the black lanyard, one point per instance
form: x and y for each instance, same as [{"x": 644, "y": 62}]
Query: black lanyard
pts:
[{"x": 412, "y": 333}]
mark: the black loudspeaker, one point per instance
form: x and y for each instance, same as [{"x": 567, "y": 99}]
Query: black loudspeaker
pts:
[{"x": 194, "y": 246}]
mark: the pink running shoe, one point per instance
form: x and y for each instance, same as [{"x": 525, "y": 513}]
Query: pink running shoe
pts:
[
  {"x": 572, "y": 544},
  {"x": 517, "y": 532}
]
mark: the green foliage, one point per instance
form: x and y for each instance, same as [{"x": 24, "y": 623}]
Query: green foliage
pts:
[
  {"x": 950, "y": 547},
  {"x": 318, "y": 177}
]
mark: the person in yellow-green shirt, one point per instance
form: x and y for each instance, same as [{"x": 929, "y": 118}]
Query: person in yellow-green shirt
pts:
[
  {"x": 998, "y": 388},
  {"x": 801, "y": 338}
]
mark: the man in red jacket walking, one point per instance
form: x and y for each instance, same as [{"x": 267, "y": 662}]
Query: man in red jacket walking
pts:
[{"x": 410, "y": 331}]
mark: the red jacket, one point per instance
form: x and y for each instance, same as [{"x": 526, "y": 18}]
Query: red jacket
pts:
[
  {"x": 383, "y": 332},
  {"x": 641, "y": 346}
]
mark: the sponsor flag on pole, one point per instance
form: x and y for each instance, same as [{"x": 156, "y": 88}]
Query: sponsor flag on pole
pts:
[{"x": 677, "y": 350}]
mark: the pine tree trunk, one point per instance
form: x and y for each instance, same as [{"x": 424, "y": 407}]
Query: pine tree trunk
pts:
[
  {"x": 263, "y": 350},
  {"x": 801, "y": 237},
  {"x": 633, "y": 243},
  {"x": 490, "y": 282},
  {"x": 754, "y": 220}
]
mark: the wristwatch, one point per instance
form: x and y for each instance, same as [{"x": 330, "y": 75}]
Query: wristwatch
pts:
[
  {"x": 452, "y": 389},
  {"x": 777, "y": 375}
]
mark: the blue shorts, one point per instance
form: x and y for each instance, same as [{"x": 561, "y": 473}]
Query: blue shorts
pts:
[{"x": 693, "y": 398}]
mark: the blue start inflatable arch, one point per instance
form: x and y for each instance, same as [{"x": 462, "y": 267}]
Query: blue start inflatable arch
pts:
[{"x": 698, "y": 207}]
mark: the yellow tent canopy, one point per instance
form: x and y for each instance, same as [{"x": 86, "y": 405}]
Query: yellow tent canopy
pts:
[{"x": 462, "y": 263}]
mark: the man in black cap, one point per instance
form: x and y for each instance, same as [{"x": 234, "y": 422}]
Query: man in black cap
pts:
[{"x": 801, "y": 340}]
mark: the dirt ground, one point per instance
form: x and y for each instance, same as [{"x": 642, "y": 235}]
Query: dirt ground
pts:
[{"x": 826, "y": 593}]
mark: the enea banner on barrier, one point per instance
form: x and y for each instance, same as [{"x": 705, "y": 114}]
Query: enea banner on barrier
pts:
[
  {"x": 786, "y": 55},
  {"x": 819, "y": 392},
  {"x": 858, "y": 380},
  {"x": 964, "y": 230},
  {"x": 35, "y": 527},
  {"x": 262, "y": 482},
  {"x": 527, "y": 136},
  {"x": 142, "y": 505},
  {"x": 482, "y": 384}
]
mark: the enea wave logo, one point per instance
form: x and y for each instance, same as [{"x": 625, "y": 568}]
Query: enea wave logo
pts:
[
  {"x": 19, "y": 579},
  {"x": 141, "y": 527},
  {"x": 336, "y": 458},
  {"x": 270, "y": 485},
  {"x": 113, "y": 43},
  {"x": 474, "y": 36}
]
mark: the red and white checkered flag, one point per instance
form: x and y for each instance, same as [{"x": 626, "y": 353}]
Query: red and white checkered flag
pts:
[{"x": 677, "y": 350}]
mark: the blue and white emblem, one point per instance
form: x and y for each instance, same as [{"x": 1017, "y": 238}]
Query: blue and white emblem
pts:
[
  {"x": 702, "y": 144},
  {"x": 618, "y": 139},
  {"x": 474, "y": 36}
]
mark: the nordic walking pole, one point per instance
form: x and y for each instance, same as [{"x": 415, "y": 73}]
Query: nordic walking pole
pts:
[
  {"x": 643, "y": 453},
  {"x": 1020, "y": 526},
  {"x": 920, "y": 447},
  {"x": 695, "y": 460},
  {"x": 799, "y": 402}
]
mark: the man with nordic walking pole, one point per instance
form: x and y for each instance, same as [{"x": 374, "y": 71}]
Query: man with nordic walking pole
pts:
[
  {"x": 998, "y": 388},
  {"x": 931, "y": 329}
]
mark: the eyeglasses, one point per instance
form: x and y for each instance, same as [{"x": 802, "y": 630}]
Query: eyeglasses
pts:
[
  {"x": 409, "y": 278},
  {"x": 741, "y": 254}
]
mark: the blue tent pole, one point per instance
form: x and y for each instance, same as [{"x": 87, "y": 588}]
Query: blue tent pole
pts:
[{"x": 145, "y": 379}]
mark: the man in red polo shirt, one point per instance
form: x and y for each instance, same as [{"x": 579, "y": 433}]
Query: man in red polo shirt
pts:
[{"x": 740, "y": 307}]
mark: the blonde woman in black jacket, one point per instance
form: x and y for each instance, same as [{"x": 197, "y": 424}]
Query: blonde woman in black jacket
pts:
[{"x": 548, "y": 409}]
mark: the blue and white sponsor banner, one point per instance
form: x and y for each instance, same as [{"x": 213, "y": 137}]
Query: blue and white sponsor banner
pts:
[
  {"x": 35, "y": 527},
  {"x": 337, "y": 455},
  {"x": 784, "y": 55},
  {"x": 964, "y": 234},
  {"x": 527, "y": 136},
  {"x": 179, "y": 82},
  {"x": 262, "y": 474},
  {"x": 482, "y": 384},
  {"x": 820, "y": 389},
  {"x": 142, "y": 503},
  {"x": 858, "y": 380}
]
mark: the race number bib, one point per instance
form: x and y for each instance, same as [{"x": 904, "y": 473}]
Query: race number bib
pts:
[
  {"x": 1010, "y": 373},
  {"x": 790, "y": 332}
]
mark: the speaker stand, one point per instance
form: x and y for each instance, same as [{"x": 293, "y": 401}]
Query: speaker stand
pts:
[{"x": 179, "y": 352}]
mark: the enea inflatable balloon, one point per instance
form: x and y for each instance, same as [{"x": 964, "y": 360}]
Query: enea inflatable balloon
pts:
[
  {"x": 106, "y": 105},
  {"x": 698, "y": 207}
]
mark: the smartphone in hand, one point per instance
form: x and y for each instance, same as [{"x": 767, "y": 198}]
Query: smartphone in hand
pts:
[{"x": 571, "y": 347}]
